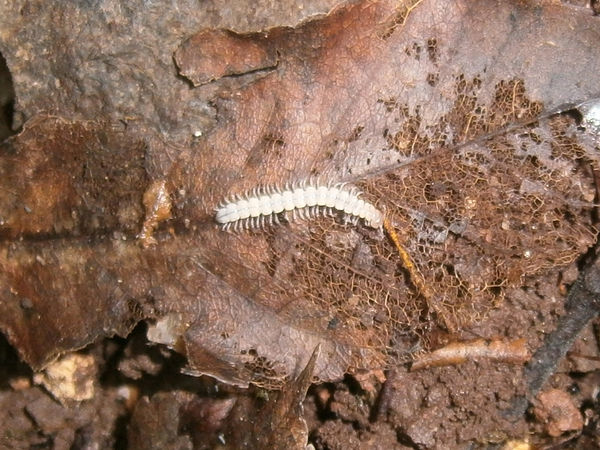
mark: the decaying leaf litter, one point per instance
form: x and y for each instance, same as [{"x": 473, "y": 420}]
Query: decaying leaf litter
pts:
[{"x": 441, "y": 117}]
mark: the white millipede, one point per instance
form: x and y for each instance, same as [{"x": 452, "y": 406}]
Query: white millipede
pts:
[{"x": 263, "y": 206}]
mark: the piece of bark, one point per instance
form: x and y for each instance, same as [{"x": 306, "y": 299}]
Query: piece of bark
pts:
[{"x": 512, "y": 352}]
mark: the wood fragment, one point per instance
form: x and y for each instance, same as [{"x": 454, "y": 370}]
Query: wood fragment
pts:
[
  {"x": 583, "y": 305},
  {"x": 511, "y": 352},
  {"x": 157, "y": 203},
  {"x": 415, "y": 276}
]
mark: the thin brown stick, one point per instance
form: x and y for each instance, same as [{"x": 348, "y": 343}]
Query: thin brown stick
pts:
[
  {"x": 512, "y": 352},
  {"x": 415, "y": 276}
]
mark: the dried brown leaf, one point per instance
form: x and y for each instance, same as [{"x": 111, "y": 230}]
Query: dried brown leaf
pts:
[
  {"x": 212, "y": 54},
  {"x": 437, "y": 110}
]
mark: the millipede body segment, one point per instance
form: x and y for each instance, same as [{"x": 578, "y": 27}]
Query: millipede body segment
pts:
[{"x": 265, "y": 205}]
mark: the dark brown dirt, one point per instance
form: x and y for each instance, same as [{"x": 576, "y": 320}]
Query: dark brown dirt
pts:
[{"x": 140, "y": 400}]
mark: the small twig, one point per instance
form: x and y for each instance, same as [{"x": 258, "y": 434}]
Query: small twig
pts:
[
  {"x": 415, "y": 276},
  {"x": 512, "y": 352},
  {"x": 583, "y": 305}
]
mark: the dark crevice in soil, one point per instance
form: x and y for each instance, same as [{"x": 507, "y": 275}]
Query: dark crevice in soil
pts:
[{"x": 7, "y": 101}]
